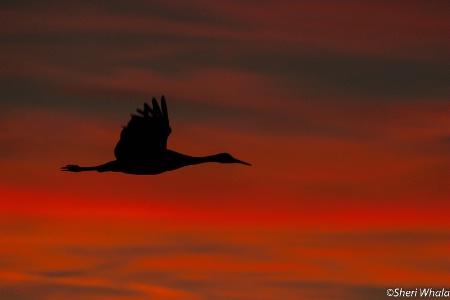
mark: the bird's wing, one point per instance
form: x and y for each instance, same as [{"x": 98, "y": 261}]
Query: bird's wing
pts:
[{"x": 145, "y": 133}]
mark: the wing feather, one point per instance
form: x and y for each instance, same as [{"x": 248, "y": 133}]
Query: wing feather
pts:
[
  {"x": 145, "y": 133},
  {"x": 164, "y": 108}
]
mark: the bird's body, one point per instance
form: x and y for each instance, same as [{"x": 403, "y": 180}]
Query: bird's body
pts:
[{"x": 142, "y": 148}]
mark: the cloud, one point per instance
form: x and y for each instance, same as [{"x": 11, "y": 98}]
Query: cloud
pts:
[
  {"x": 47, "y": 290},
  {"x": 328, "y": 290},
  {"x": 137, "y": 257},
  {"x": 320, "y": 50},
  {"x": 33, "y": 289},
  {"x": 357, "y": 27},
  {"x": 341, "y": 107}
]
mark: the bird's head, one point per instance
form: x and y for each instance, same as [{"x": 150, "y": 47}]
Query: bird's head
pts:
[{"x": 228, "y": 159}]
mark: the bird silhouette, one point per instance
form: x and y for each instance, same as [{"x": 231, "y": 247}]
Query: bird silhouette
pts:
[{"x": 142, "y": 148}]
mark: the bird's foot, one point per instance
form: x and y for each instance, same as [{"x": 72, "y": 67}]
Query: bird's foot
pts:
[{"x": 71, "y": 168}]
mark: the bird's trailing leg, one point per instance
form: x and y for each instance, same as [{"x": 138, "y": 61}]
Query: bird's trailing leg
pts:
[
  {"x": 77, "y": 168},
  {"x": 109, "y": 166}
]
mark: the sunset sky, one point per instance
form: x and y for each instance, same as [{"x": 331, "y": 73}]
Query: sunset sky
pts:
[{"x": 341, "y": 107}]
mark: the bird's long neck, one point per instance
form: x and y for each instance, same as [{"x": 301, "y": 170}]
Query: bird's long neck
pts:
[{"x": 195, "y": 160}]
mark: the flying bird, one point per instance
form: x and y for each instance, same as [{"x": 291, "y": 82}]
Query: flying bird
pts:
[{"x": 142, "y": 148}]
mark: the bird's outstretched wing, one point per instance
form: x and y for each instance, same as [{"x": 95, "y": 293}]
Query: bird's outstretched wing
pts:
[{"x": 145, "y": 133}]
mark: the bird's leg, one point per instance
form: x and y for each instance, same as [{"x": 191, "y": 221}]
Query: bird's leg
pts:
[
  {"x": 109, "y": 166},
  {"x": 76, "y": 168}
]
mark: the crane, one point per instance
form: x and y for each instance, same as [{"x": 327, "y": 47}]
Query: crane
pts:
[{"x": 142, "y": 147}]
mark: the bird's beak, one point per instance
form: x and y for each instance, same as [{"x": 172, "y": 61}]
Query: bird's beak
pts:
[{"x": 242, "y": 162}]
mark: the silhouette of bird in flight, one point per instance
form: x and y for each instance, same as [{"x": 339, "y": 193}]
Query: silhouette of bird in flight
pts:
[{"x": 142, "y": 148}]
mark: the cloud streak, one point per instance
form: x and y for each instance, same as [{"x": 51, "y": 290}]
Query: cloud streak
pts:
[
  {"x": 193, "y": 263},
  {"x": 341, "y": 107}
]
